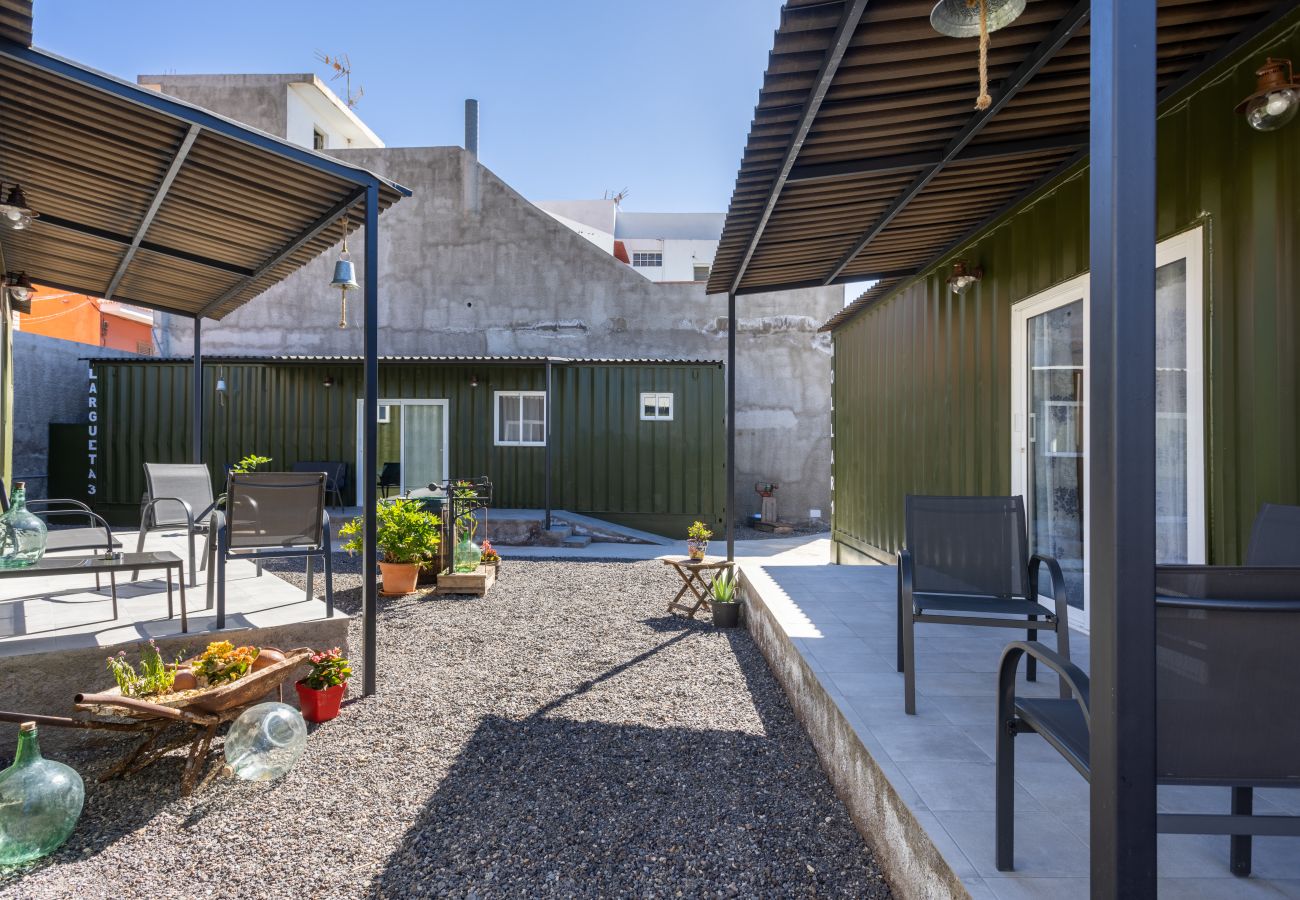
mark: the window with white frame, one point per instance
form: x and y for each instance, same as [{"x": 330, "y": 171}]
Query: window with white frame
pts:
[
  {"x": 318, "y": 140},
  {"x": 647, "y": 260},
  {"x": 520, "y": 419},
  {"x": 701, "y": 272},
  {"x": 657, "y": 407},
  {"x": 384, "y": 416}
]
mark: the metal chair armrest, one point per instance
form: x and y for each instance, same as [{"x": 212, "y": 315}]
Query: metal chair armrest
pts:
[
  {"x": 906, "y": 572},
  {"x": 1075, "y": 678},
  {"x": 80, "y": 507},
  {"x": 189, "y": 512}
]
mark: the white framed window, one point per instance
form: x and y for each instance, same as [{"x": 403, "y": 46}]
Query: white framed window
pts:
[
  {"x": 385, "y": 416},
  {"x": 701, "y": 272},
  {"x": 647, "y": 260},
  {"x": 519, "y": 419},
  {"x": 318, "y": 140},
  {"x": 657, "y": 407}
]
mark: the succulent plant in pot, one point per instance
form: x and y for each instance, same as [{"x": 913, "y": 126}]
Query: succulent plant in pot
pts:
[
  {"x": 321, "y": 692},
  {"x": 407, "y": 539},
  {"x": 697, "y": 540},
  {"x": 725, "y": 601}
]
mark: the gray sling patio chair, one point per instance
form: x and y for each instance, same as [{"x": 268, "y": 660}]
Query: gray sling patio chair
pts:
[
  {"x": 1226, "y": 701},
  {"x": 1275, "y": 537},
  {"x": 967, "y": 563},
  {"x": 336, "y": 477},
  {"x": 179, "y": 497},
  {"x": 95, "y": 534},
  {"x": 271, "y": 515}
]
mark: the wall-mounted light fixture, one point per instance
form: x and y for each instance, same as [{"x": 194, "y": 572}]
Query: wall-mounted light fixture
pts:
[
  {"x": 1276, "y": 98},
  {"x": 963, "y": 276},
  {"x": 473, "y": 381},
  {"x": 19, "y": 286},
  {"x": 15, "y": 214},
  {"x": 329, "y": 381}
]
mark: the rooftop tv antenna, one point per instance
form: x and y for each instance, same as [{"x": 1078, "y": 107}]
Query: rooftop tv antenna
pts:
[
  {"x": 617, "y": 198},
  {"x": 342, "y": 67}
]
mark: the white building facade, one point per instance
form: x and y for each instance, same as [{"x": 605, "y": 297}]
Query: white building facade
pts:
[{"x": 659, "y": 246}]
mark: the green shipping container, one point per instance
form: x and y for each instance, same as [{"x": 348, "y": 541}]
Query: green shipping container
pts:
[{"x": 656, "y": 469}]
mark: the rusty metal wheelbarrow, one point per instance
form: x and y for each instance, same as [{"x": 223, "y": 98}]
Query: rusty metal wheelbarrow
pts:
[{"x": 193, "y": 720}]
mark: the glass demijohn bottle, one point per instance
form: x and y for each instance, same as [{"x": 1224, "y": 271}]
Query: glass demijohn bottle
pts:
[
  {"x": 22, "y": 533},
  {"x": 40, "y": 802}
]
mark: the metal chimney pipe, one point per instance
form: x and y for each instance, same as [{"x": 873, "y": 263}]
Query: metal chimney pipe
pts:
[{"x": 471, "y": 127}]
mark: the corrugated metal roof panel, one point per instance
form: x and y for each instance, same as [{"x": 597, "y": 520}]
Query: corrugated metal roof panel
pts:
[{"x": 502, "y": 360}]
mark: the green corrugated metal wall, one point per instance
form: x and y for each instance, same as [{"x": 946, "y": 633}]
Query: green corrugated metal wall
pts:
[
  {"x": 658, "y": 476},
  {"x": 922, "y": 380}
]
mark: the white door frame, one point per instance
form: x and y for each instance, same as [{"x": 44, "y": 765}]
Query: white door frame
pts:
[
  {"x": 446, "y": 437},
  {"x": 1188, "y": 245}
]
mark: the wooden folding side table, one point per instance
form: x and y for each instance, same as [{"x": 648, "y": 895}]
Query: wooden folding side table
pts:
[{"x": 697, "y": 577}]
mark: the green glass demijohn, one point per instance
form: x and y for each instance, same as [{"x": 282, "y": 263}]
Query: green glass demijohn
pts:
[
  {"x": 22, "y": 533},
  {"x": 40, "y": 802},
  {"x": 467, "y": 555}
]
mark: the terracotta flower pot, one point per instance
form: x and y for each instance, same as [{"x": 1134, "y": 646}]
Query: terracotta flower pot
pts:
[
  {"x": 322, "y": 705},
  {"x": 399, "y": 578}
]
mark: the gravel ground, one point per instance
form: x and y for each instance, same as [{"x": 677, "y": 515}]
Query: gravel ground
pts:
[{"x": 561, "y": 738}]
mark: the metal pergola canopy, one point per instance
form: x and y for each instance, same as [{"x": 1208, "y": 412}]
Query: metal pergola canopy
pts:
[
  {"x": 153, "y": 201},
  {"x": 866, "y": 158}
]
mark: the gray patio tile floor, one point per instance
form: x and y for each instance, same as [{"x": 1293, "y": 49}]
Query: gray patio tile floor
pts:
[{"x": 842, "y": 620}]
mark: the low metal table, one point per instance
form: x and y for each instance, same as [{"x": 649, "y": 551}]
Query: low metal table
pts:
[
  {"x": 111, "y": 564},
  {"x": 697, "y": 576}
]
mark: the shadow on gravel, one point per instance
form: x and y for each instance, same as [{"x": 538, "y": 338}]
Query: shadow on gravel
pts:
[{"x": 556, "y": 807}]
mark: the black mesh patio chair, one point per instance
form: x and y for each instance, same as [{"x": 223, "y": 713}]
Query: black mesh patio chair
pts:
[
  {"x": 271, "y": 515},
  {"x": 178, "y": 496},
  {"x": 336, "y": 477},
  {"x": 967, "y": 563},
  {"x": 1275, "y": 537},
  {"x": 390, "y": 477},
  {"x": 95, "y": 534},
  {"x": 1226, "y": 701}
]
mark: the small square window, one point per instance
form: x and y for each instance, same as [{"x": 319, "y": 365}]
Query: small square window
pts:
[
  {"x": 317, "y": 139},
  {"x": 657, "y": 407},
  {"x": 701, "y": 273},
  {"x": 647, "y": 260},
  {"x": 520, "y": 419},
  {"x": 384, "y": 416}
]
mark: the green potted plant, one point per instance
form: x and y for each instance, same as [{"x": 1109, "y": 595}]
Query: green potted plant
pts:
[
  {"x": 725, "y": 602},
  {"x": 697, "y": 540},
  {"x": 407, "y": 539},
  {"x": 321, "y": 692}
]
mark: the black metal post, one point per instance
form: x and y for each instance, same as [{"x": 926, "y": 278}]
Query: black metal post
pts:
[
  {"x": 731, "y": 426},
  {"x": 1122, "y": 446},
  {"x": 546, "y": 416},
  {"x": 196, "y": 401},
  {"x": 370, "y": 450}
]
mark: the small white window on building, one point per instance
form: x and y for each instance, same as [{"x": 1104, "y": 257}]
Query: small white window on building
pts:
[
  {"x": 520, "y": 419},
  {"x": 317, "y": 139},
  {"x": 657, "y": 407},
  {"x": 647, "y": 260},
  {"x": 384, "y": 417},
  {"x": 701, "y": 273}
]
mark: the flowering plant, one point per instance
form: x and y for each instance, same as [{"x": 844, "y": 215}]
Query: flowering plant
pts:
[
  {"x": 154, "y": 677},
  {"x": 223, "y": 662},
  {"x": 490, "y": 553},
  {"x": 328, "y": 669}
]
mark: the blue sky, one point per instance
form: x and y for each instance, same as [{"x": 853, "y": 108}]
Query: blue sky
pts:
[{"x": 577, "y": 97}]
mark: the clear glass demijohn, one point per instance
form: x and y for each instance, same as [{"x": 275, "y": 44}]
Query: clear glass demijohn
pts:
[
  {"x": 22, "y": 533},
  {"x": 40, "y": 802}
]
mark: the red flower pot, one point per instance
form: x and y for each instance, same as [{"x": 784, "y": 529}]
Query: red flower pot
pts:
[{"x": 320, "y": 706}]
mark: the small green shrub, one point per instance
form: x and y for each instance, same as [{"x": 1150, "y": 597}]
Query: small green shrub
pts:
[
  {"x": 408, "y": 533},
  {"x": 699, "y": 532},
  {"x": 724, "y": 589},
  {"x": 154, "y": 677}
]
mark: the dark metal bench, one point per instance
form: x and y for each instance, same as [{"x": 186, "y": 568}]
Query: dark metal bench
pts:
[
  {"x": 967, "y": 562},
  {"x": 1227, "y": 698}
]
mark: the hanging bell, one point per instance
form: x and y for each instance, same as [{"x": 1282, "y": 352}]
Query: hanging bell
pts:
[
  {"x": 345, "y": 275},
  {"x": 961, "y": 18}
]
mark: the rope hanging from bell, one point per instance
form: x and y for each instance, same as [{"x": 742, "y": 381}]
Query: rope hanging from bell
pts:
[{"x": 983, "y": 101}]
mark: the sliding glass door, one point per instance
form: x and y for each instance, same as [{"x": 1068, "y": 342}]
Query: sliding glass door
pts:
[
  {"x": 412, "y": 446},
  {"x": 1049, "y": 439}
]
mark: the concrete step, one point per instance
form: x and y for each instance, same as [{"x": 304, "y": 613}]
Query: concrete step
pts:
[
  {"x": 577, "y": 541},
  {"x": 555, "y": 536}
]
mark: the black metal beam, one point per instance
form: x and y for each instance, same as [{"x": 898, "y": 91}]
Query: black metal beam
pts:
[
  {"x": 823, "y": 172},
  {"x": 115, "y": 238},
  {"x": 1122, "y": 447},
  {"x": 819, "y": 282},
  {"x": 853, "y": 11},
  {"x": 160, "y": 194},
  {"x": 196, "y": 399},
  {"x": 731, "y": 427},
  {"x": 546, "y": 417},
  {"x": 1075, "y": 19},
  {"x": 187, "y": 112},
  {"x": 307, "y": 234},
  {"x": 370, "y": 447}
]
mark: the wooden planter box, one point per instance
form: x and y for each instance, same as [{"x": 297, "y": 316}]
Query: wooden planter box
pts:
[{"x": 476, "y": 582}]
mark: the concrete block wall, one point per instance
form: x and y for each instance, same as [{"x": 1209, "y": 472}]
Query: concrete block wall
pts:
[
  {"x": 49, "y": 386},
  {"x": 466, "y": 272}
]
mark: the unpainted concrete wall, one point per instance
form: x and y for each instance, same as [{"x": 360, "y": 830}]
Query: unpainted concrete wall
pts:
[
  {"x": 49, "y": 386},
  {"x": 505, "y": 278}
]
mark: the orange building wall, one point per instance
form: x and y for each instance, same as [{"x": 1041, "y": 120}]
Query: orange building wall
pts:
[{"x": 78, "y": 317}]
